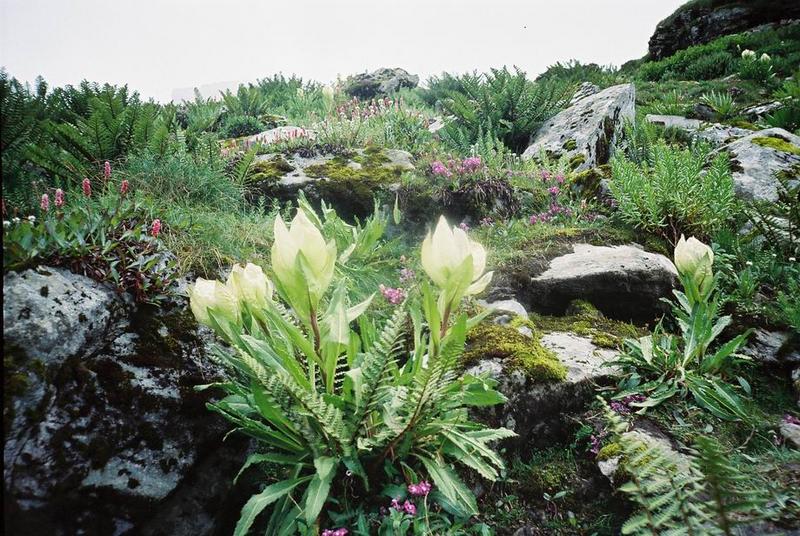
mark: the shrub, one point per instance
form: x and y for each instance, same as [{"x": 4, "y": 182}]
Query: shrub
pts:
[
  {"x": 575, "y": 72},
  {"x": 504, "y": 104},
  {"x": 722, "y": 104},
  {"x": 673, "y": 194},
  {"x": 342, "y": 415},
  {"x": 236, "y": 126}
]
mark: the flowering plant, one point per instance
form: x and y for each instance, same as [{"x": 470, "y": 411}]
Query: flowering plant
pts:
[{"x": 337, "y": 411}]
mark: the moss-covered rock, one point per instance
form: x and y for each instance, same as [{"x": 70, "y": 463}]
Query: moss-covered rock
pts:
[
  {"x": 269, "y": 171},
  {"x": 773, "y": 142},
  {"x": 493, "y": 341},
  {"x": 586, "y": 320},
  {"x": 588, "y": 184}
]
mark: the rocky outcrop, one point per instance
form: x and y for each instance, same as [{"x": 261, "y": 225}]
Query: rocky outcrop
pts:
[
  {"x": 380, "y": 82},
  {"x": 585, "y": 132},
  {"x": 623, "y": 282},
  {"x": 348, "y": 182},
  {"x": 540, "y": 411},
  {"x": 714, "y": 133},
  {"x": 104, "y": 429},
  {"x": 758, "y": 157},
  {"x": 699, "y": 22}
]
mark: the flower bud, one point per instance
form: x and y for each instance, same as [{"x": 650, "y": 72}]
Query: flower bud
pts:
[
  {"x": 45, "y": 203},
  {"x": 212, "y": 295},
  {"x": 695, "y": 260},
  {"x": 59, "y": 197},
  {"x": 156, "y": 228},
  {"x": 87, "y": 188},
  {"x": 250, "y": 285}
]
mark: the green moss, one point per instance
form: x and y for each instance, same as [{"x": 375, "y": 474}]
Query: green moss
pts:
[
  {"x": 609, "y": 451},
  {"x": 372, "y": 157},
  {"x": 741, "y": 123},
  {"x": 570, "y": 144},
  {"x": 585, "y": 320},
  {"x": 488, "y": 340},
  {"x": 576, "y": 161},
  {"x": 586, "y": 183},
  {"x": 337, "y": 169},
  {"x": 778, "y": 144},
  {"x": 271, "y": 170}
]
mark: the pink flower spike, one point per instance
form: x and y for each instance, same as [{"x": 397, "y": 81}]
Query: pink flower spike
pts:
[
  {"x": 123, "y": 188},
  {"x": 156, "y": 228},
  {"x": 45, "y": 203},
  {"x": 59, "y": 197},
  {"x": 107, "y": 170},
  {"x": 87, "y": 188}
]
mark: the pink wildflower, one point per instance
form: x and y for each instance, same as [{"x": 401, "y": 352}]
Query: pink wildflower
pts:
[
  {"x": 487, "y": 222},
  {"x": 406, "y": 274},
  {"x": 791, "y": 419},
  {"x": 45, "y": 203},
  {"x": 545, "y": 175},
  {"x": 156, "y": 228},
  {"x": 394, "y": 296},
  {"x": 463, "y": 226},
  {"x": 554, "y": 191},
  {"x": 472, "y": 163},
  {"x": 437, "y": 168},
  {"x": 123, "y": 188},
  {"x": 421, "y": 489},
  {"x": 107, "y": 170},
  {"x": 87, "y": 188},
  {"x": 59, "y": 197},
  {"x": 409, "y": 508},
  {"x": 335, "y": 532}
]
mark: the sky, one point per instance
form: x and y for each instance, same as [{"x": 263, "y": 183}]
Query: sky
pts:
[{"x": 157, "y": 46}]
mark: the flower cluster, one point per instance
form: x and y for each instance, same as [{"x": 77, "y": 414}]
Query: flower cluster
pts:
[
  {"x": 107, "y": 170},
  {"x": 420, "y": 489},
  {"x": 87, "y": 187},
  {"x": 791, "y": 419},
  {"x": 335, "y": 532},
  {"x": 45, "y": 203},
  {"x": 156, "y": 228},
  {"x": 623, "y": 407},
  {"x": 406, "y": 275},
  {"x": 463, "y": 226},
  {"x": 487, "y": 222},
  {"x": 355, "y": 109},
  {"x": 459, "y": 167},
  {"x": 407, "y": 507},
  {"x": 395, "y": 296},
  {"x": 554, "y": 184}
]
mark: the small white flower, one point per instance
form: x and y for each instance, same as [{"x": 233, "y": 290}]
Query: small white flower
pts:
[
  {"x": 15, "y": 220},
  {"x": 31, "y": 218},
  {"x": 749, "y": 263},
  {"x": 765, "y": 57},
  {"x": 6, "y": 223},
  {"x": 748, "y": 54},
  {"x": 792, "y": 259}
]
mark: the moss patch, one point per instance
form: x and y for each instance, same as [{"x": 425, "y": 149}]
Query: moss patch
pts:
[
  {"x": 576, "y": 161},
  {"x": 270, "y": 171},
  {"x": 372, "y": 169},
  {"x": 609, "y": 451},
  {"x": 778, "y": 144},
  {"x": 570, "y": 144},
  {"x": 585, "y": 320},
  {"x": 586, "y": 184},
  {"x": 492, "y": 341}
]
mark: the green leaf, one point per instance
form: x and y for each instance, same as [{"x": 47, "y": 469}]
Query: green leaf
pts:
[
  {"x": 258, "y": 502},
  {"x": 320, "y": 486},
  {"x": 450, "y": 485}
]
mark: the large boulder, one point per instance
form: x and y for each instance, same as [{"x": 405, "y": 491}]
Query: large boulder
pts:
[
  {"x": 758, "y": 157},
  {"x": 585, "y": 132},
  {"x": 696, "y": 23},
  {"x": 380, "y": 82},
  {"x": 104, "y": 430},
  {"x": 623, "y": 282},
  {"x": 714, "y": 133}
]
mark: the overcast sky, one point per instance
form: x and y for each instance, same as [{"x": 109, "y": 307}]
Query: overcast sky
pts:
[{"x": 156, "y": 46}]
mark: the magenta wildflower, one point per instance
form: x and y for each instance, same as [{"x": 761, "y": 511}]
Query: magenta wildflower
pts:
[
  {"x": 335, "y": 532},
  {"x": 107, "y": 170},
  {"x": 420, "y": 489},
  {"x": 407, "y": 274},
  {"x": 560, "y": 178},
  {"x": 463, "y": 226},
  {"x": 410, "y": 508},
  {"x": 59, "y": 201},
  {"x": 394, "y": 296},
  {"x": 545, "y": 175},
  {"x": 156, "y": 228},
  {"x": 472, "y": 163},
  {"x": 45, "y": 202},
  {"x": 87, "y": 188},
  {"x": 487, "y": 222},
  {"x": 554, "y": 190},
  {"x": 437, "y": 168},
  {"x": 123, "y": 187}
]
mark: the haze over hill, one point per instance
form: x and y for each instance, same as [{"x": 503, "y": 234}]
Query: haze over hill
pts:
[{"x": 158, "y": 46}]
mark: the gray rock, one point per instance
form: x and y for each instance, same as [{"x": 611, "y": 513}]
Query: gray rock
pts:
[
  {"x": 53, "y": 314},
  {"x": 621, "y": 281},
  {"x": 704, "y": 111},
  {"x": 108, "y": 426},
  {"x": 507, "y": 306},
  {"x": 715, "y": 133},
  {"x": 584, "y": 90},
  {"x": 537, "y": 411},
  {"x": 791, "y": 433},
  {"x": 436, "y": 125},
  {"x": 772, "y": 347},
  {"x": 586, "y": 129},
  {"x": 696, "y": 23},
  {"x": 754, "y": 165},
  {"x": 758, "y": 111},
  {"x": 399, "y": 158},
  {"x": 277, "y": 133},
  {"x": 379, "y": 82},
  {"x": 650, "y": 435}
]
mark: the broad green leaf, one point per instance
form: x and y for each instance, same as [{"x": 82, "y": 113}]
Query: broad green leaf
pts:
[{"x": 258, "y": 502}]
